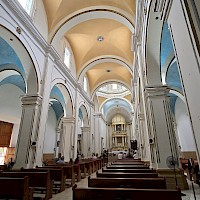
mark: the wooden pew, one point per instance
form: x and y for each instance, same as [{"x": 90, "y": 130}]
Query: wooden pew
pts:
[
  {"x": 77, "y": 169},
  {"x": 83, "y": 169},
  {"x": 124, "y": 194},
  {"x": 56, "y": 175},
  {"x": 130, "y": 170},
  {"x": 3, "y": 167},
  {"x": 15, "y": 188},
  {"x": 139, "y": 183},
  {"x": 88, "y": 165},
  {"x": 68, "y": 172},
  {"x": 126, "y": 175},
  {"x": 127, "y": 163},
  {"x": 40, "y": 181},
  {"x": 127, "y": 167}
]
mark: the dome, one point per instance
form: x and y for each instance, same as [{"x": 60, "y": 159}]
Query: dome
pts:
[{"x": 118, "y": 119}]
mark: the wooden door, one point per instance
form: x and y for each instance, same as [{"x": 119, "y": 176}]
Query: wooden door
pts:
[{"x": 5, "y": 133}]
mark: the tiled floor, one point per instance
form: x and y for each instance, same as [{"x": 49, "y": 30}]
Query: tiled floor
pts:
[{"x": 67, "y": 194}]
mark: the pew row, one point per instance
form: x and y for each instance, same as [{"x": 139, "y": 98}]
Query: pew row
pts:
[
  {"x": 126, "y": 175},
  {"x": 127, "y": 163},
  {"x": 15, "y": 188},
  {"x": 56, "y": 175},
  {"x": 130, "y": 170},
  {"x": 124, "y": 194},
  {"x": 39, "y": 181},
  {"x": 127, "y": 167},
  {"x": 139, "y": 183},
  {"x": 68, "y": 172}
]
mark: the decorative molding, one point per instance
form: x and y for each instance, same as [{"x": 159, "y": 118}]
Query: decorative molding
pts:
[
  {"x": 27, "y": 22},
  {"x": 68, "y": 120},
  {"x": 31, "y": 100},
  {"x": 85, "y": 129},
  {"x": 157, "y": 91}
]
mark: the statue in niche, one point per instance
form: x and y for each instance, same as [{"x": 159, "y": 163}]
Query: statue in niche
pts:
[{"x": 118, "y": 127}]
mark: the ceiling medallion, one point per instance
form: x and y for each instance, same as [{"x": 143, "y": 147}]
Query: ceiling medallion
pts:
[{"x": 100, "y": 38}]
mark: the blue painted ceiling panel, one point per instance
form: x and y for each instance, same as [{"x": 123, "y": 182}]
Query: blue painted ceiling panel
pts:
[
  {"x": 173, "y": 78},
  {"x": 8, "y": 56},
  {"x": 16, "y": 80}
]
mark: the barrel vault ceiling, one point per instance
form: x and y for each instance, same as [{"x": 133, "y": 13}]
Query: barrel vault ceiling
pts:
[{"x": 109, "y": 60}]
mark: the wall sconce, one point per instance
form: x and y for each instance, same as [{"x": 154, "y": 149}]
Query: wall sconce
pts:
[{"x": 33, "y": 144}]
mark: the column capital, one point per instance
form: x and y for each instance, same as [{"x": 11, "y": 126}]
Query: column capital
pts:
[
  {"x": 157, "y": 91},
  {"x": 58, "y": 130},
  {"x": 31, "y": 100},
  {"x": 98, "y": 114},
  {"x": 141, "y": 116},
  {"x": 68, "y": 120},
  {"x": 85, "y": 129}
]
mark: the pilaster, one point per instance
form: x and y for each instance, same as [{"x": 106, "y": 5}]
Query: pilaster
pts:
[
  {"x": 86, "y": 141},
  {"x": 28, "y": 132},
  {"x": 162, "y": 137},
  {"x": 67, "y": 138}
]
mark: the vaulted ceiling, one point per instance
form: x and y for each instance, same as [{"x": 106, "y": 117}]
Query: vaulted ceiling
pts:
[{"x": 81, "y": 23}]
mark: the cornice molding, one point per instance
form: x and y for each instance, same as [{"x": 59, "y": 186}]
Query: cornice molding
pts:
[
  {"x": 26, "y": 20},
  {"x": 23, "y": 18},
  {"x": 157, "y": 91}
]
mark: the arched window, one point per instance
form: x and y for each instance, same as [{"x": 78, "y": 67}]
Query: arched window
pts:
[
  {"x": 85, "y": 84},
  {"x": 67, "y": 57},
  {"x": 114, "y": 86},
  {"x": 27, "y": 5}
]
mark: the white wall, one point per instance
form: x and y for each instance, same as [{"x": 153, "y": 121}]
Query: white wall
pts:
[
  {"x": 40, "y": 19},
  {"x": 184, "y": 129},
  {"x": 10, "y": 108},
  {"x": 50, "y": 133}
]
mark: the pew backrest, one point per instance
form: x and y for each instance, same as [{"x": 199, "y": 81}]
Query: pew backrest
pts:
[
  {"x": 124, "y": 194},
  {"x": 15, "y": 188},
  {"x": 142, "y": 183}
]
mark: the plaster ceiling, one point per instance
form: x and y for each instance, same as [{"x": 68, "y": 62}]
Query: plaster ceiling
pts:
[
  {"x": 85, "y": 46},
  {"x": 99, "y": 74},
  {"x": 57, "y": 10},
  {"x": 82, "y": 36}
]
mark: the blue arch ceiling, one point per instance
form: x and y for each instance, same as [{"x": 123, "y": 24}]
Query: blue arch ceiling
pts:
[
  {"x": 59, "y": 103},
  {"x": 172, "y": 76},
  {"x": 9, "y": 60},
  {"x": 115, "y": 102}
]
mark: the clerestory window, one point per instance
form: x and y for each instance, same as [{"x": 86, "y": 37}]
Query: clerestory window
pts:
[
  {"x": 27, "y": 5},
  {"x": 67, "y": 57}
]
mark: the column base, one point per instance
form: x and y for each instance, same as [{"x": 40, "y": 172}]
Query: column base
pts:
[
  {"x": 146, "y": 162},
  {"x": 170, "y": 178}
]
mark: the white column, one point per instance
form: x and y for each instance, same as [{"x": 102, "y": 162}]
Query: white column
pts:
[
  {"x": 97, "y": 133},
  {"x": 85, "y": 141},
  {"x": 187, "y": 54},
  {"x": 68, "y": 137},
  {"x": 163, "y": 136},
  {"x": 57, "y": 141},
  {"x": 28, "y": 132}
]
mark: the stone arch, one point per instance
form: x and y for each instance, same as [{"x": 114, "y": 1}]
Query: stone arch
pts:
[
  {"x": 85, "y": 115},
  {"x": 103, "y": 59},
  {"x": 84, "y": 15},
  {"x": 123, "y": 99},
  {"x": 26, "y": 63},
  {"x": 105, "y": 83},
  {"x": 61, "y": 94},
  {"x": 152, "y": 48}
]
